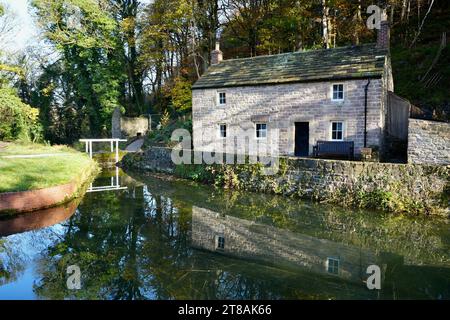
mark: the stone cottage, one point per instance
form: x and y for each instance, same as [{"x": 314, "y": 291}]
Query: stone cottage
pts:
[{"x": 335, "y": 94}]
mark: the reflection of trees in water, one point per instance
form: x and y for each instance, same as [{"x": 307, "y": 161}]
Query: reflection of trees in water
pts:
[
  {"x": 11, "y": 264},
  {"x": 135, "y": 244},
  {"x": 103, "y": 241},
  {"x": 419, "y": 239},
  {"x": 423, "y": 240},
  {"x": 117, "y": 241},
  {"x": 16, "y": 251}
]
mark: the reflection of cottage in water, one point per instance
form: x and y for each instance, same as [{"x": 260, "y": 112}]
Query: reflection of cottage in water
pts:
[
  {"x": 250, "y": 240},
  {"x": 246, "y": 239}
]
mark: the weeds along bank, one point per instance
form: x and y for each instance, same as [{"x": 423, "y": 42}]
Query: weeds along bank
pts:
[{"x": 408, "y": 188}]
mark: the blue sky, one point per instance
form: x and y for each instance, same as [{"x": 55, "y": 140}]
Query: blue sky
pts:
[{"x": 27, "y": 32}]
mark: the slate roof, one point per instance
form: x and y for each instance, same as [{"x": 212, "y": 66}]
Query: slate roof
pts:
[{"x": 365, "y": 61}]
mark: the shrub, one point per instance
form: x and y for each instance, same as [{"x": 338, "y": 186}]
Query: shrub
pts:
[
  {"x": 162, "y": 136},
  {"x": 199, "y": 173},
  {"x": 18, "y": 121}
]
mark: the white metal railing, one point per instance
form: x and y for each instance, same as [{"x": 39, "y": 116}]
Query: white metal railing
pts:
[
  {"x": 114, "y": 145},
  {"x": 115, "y": 185}
]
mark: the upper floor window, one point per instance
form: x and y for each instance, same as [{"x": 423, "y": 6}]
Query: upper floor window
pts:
[
  {"x": 222, "y": 98},
  {"x": 337, "y": 92},
  {"x": 261, "y": 130},
  {"x": 337, "y": 130},
  {"x": 222, "y": 130}
]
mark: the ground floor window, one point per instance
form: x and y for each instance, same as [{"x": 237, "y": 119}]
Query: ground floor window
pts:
[
  {"x": 333, "y": 265},
  {"x": 337, "y": 130},
  {"x": 220, "y": 242},
  {"x": 261, "y": 130},
  {"x": 223, "y": 130}
]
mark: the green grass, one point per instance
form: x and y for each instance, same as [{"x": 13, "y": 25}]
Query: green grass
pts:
[
  {"x": 37, "y": 173},
  {"x": 18, "y": 148}
]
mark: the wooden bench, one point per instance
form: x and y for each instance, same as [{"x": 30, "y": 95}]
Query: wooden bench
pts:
[{"x": 334, "y": 149}]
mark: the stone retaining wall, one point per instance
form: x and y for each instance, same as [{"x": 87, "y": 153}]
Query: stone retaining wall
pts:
[
  {"x": 32, "y": 200},
  {"x": 38, "y": 219},
  {"x": 391, "y": 187},
  {"x": 428, "y": 142},
  {"x": 124, "y": 127},
  {"x": 26, "y": 201}
]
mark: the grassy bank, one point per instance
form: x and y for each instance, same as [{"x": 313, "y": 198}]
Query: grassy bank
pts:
[{"x": 63, "y": 166}]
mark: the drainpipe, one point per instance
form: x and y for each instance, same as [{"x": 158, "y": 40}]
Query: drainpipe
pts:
[{"x": 366, "y": 89}]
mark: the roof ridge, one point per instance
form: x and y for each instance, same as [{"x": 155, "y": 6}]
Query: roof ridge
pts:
[
  {"x": 348, "y": 62},
  {"x": 301, "y": 52}
]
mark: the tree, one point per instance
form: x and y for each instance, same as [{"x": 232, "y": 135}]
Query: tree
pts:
[
  {"x": 83, "y": 32},
  {"x": 207, "y": 25},
  {"x": 166, "y": 44},
  {"x": 180, "y": 95},
  {"x": 126, "y": 15},
  {"x": 18, "y": 121},
  {"x": 7, "y": 26},
  {"x": 143, "y": 58}
]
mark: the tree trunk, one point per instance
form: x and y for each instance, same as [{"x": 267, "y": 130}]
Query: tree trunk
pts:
[
  {"x": 403, "y": 13},
  {"x": 325, "y": 31}
]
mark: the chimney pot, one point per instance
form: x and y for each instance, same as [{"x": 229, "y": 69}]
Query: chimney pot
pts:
[{"x": 216, "y": 55}]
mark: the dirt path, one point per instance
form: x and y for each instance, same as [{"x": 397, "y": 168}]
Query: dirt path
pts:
[{"x": 135, "y": 146}]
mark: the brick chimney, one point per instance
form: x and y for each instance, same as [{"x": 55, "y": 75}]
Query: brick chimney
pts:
[
  {"x": 384, "y": 33},
  {"x": 216, "y": 55}
]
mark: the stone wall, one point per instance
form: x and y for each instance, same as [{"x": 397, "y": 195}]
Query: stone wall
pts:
[
  {"x": 428, "y": 142},
  {"x": 391, "y": 187},
  {"x": 125, "y": 127},
  {"x": 115, "y": 124},
  {"x": 280, "y": 106},
  {"x": 157, "y": 159},
  {"x": 131, "y": 127}
]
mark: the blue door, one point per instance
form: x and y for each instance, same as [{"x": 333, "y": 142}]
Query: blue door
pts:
[{"x": 302, "y": 139}]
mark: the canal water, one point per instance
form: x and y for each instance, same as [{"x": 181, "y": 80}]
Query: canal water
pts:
[{"x": 156, "y": 237}]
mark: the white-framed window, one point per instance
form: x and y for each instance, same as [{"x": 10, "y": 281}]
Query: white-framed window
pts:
[
  {"x": 222, "y": 130},
  {"x": 220, "y": 242},
  {"x": 337, "y": 130},
  {"x": 261, "y": 130},
  {"x": 337, "y": 92},
  {"x": 221, "y": 98},
  {"x": 333, "y": 265}
]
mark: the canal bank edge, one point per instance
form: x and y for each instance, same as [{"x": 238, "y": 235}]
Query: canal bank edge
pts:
[
  {"x": 399, "y": 188},
  {"x": 12, "y": 203}
]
